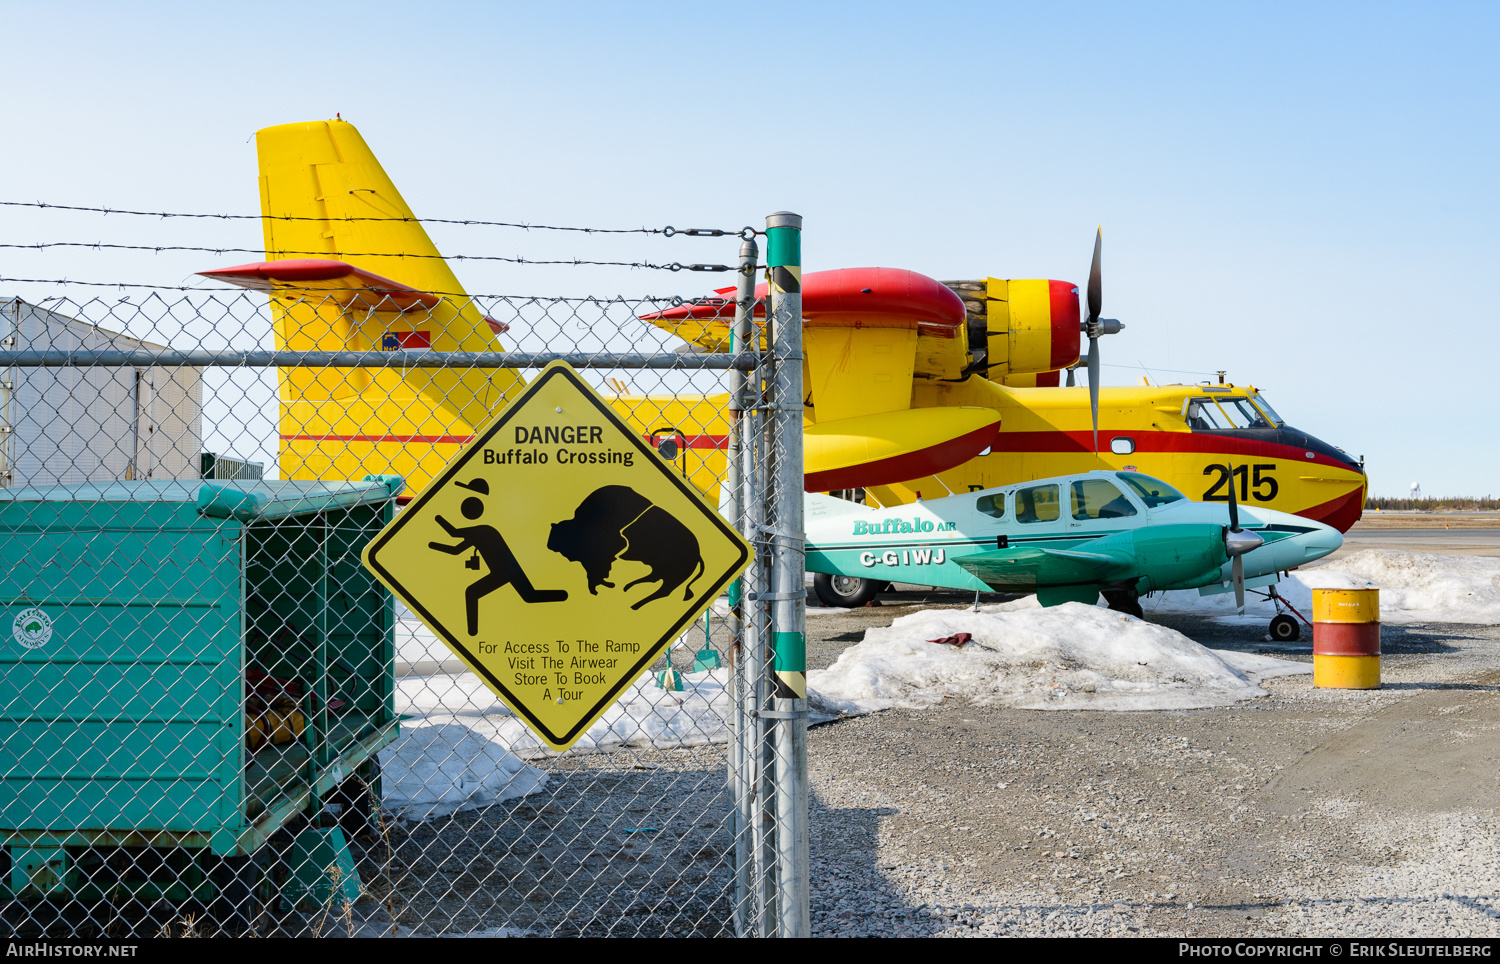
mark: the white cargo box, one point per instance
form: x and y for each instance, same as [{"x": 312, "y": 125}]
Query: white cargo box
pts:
[{"x": 60, "y": 426}]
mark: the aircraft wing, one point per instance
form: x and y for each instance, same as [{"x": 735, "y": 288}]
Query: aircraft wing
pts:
[
  {"x": 849, "y": 453},
  {"x": 846, "y": 299},
  {"x": 1026, "y": 567},
  {"x": 867, "y": 334},
  {"x": 866, "y": 297}
]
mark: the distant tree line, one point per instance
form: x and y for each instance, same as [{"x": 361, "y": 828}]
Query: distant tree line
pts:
[{"x": 1433, "y": 504}]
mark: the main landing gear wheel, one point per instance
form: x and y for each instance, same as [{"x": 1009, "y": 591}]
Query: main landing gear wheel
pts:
[
  {"x": 1285, "y": 629},
  {"x": 845, "y": 591}
]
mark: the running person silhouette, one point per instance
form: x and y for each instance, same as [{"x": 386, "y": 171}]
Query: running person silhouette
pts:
[{"x": 487, "y": 542}]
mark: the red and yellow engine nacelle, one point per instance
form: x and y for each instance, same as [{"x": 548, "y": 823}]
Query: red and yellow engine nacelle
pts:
[{"x": 1027, "y": 328}]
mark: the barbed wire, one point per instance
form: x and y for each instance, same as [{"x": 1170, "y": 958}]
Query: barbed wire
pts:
[
  {"x": 158, "y": 248},
  {"x": 1154, "y": 368},
  {"x": 669, "y": 231},
  {"x": 664, "y": 299}
]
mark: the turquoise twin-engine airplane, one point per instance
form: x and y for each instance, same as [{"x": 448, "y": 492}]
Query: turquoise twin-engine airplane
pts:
[{"x": 1067, "y": 538}]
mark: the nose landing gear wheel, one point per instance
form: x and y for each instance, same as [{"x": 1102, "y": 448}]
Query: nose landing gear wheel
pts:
[
  {"x": 1285, "y": 629},
  {"x": 845, "y": 591}
]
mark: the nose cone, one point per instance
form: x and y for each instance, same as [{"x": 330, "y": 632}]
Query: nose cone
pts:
[
  {"x": 1321, "y": 541},
  {"x": 1345, "y": 505},
  {"x": 1307, "y": 541}
]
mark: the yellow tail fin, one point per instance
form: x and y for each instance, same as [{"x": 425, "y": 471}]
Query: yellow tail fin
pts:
[{"x": 327, "y": 197}]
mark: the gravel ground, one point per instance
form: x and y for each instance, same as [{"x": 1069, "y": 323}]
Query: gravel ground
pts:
[
  {"x": 1310, "y": 812},
  {"x": 630, "y": 843}
]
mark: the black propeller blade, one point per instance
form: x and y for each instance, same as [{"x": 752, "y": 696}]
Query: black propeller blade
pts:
[
  {"x": 1234, "y": 507},
  {"x": 1094, "y": 326},
  {"x": 1091, "y": 327},
  {"x": 1237, "y": 542}
]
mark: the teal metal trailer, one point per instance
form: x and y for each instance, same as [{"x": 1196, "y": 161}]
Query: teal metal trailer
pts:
[{"x": 132, "y": 613}]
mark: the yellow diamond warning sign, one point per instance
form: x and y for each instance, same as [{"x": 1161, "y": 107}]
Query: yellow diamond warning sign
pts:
[{"x": 558, "y": 555}]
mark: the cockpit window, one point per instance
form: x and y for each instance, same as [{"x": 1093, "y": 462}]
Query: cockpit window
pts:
[
  {"x": 1267, "y": 410},
  {"x": 1098, "y": 499},
  {"x": 1224, "y": 413},
  {"x": 992, "y": 505},
  {"x": 1202, "y": 414},
  {"x": 1153, "y": 492}
]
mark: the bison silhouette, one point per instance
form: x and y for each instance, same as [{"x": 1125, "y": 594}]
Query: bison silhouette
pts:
[{"x": 617, "y": 522}]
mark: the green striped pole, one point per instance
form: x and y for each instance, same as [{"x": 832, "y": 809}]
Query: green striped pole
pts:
[
  {"x": 784, "y": 274},
  {"x": 789, "y": 594}
]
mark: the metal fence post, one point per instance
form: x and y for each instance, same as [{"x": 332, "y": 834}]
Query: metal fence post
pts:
[
  {"x": 759, "y": 476},
  {"x": 784, "y": 274},
  {"x": 744, "y": 643}
]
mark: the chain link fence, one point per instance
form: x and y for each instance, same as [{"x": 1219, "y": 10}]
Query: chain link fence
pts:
[{"x": 218, "y": 722}]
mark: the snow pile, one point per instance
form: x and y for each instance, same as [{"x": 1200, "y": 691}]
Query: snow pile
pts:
[
  {"x": 432, "y": 771},
  {"x": 460, "y": 747},
  {"x": 649, "y": 716},
  {"x": 1415, "y": 587},
  {"x": 440, "y": 764},
  {"x": 1069, "y": 657}
]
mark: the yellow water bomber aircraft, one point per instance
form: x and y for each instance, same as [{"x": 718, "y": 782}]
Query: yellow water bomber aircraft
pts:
[
  {"x": 915, "y": 389},
  {"x": 895, "y": 360}
]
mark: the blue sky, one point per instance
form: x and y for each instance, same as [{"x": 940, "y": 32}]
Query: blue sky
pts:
[{"x": 1301, "y": 194}]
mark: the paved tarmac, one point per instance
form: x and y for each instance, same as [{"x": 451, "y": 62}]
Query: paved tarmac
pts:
[{"x": 1461, "y": 542}]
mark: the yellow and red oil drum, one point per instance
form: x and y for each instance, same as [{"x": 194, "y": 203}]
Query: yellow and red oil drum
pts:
[{"x": 1346, "y": 638}]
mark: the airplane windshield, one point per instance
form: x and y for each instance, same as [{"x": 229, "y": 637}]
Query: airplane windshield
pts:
[
  {"x": 1224, "y": 413},
  {"x": 1153, "y": 492},
  {"x": 1265, "y": 407}
]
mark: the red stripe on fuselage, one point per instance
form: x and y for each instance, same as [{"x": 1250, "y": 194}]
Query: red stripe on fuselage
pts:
[
  {"x": 1162, "y": 442},
  {"x": 429, "y": 439},
  {"x": 691, "y": 441}
]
